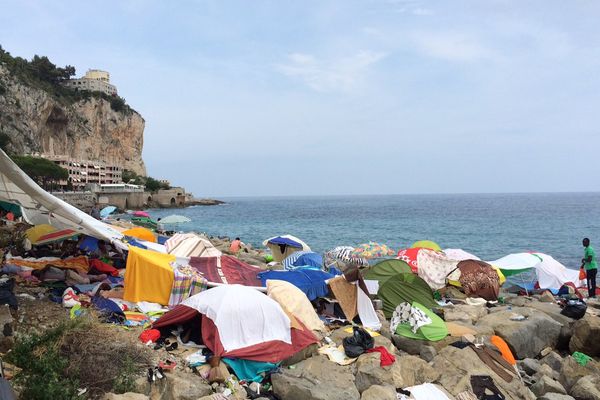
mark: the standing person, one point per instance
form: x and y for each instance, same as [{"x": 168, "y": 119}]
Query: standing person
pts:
[
  {"x": 591, "y": 267},
  {"x": 235, "y": 246},
  {"x": 95, "y": 212}
]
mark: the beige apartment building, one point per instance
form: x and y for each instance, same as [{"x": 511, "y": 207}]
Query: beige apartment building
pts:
[
  {"x": 82, "y": 173},
  {"x": 94, "y": 80}
]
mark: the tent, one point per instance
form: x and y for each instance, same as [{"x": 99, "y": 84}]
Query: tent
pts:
[
  {"x": 37, "y": 204},
  {"x": 240, "y": 322},
  {"x": 294, "y": 302},
  {"x": 311, "y": 282},
  {"x": 434, "y": 331},
  {"x": 405, "y": 288},
  {"x": 148, "y": 276},
  {"x": 426, "y": 244},
  {"x": 479, "y": 279},
  {"x": 303, "y": 258},
  {"x": 517, "y": 263},
  {"x": 551, "y": 274},
  {"x": 141, "y": 233},
  {"x": 191, "y": 245},
  {"x": 385, "y": 269},
  {"x": 459, "y": 255},
  {"x": 285, "y": 245}
]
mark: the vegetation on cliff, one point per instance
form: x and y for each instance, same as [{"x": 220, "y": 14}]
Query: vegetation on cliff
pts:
[
  {"x": 42, "y": 74},
  {"x": 151, "y": 184}
]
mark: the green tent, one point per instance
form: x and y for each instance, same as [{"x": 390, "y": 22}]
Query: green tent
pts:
[
  {"x": 15, "y": 209},
  {"x": 435, "y": 331},
  {"x": 407, "y": 288},
  {"x": 384, "y": 270}
]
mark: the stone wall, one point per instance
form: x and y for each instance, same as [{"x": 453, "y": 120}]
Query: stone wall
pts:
[{"x": 82, "y": 200}]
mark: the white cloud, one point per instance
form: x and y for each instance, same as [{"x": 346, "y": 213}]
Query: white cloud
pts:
[
  {"x": 452, "y": 47},
  {"x": 343, "y": 74}
]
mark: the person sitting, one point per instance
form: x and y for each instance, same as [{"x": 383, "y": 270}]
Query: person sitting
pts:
[{"x": 235, "y": 246}]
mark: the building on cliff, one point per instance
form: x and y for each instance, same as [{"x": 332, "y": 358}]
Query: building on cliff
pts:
[
  {"x": 85, "y": 172},
  {"x": 94, "y": 80}
]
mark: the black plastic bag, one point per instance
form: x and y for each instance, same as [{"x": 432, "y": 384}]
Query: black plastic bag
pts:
[
  {"x": 574, "y": 309},
  {"x": 358, "y": 343}
]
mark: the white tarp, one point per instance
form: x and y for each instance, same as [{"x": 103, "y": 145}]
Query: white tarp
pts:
[
  {"x": 17, "y": 188},
  {"x": 552, "y": 274},
  {"x": 517, "y": 261}
]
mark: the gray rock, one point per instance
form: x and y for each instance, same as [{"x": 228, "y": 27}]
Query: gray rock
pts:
[
  {"x": 546, "y": 297},
  {"x": 428, "y": 353},
  {"x": 369, "y": 373},
  {"x": 518, "y": 301},
  {"x": 547, "y": 385},
  {"x": 528, "y": 337},
  {"x": 187, "y": 386},
  {"x": 530, "y": 366},
  {"x": 315, "y": 378},
  {"x": 586, "y": 332},
  {"x": 464, "y": 313},
  {"x": 385, "y": 325},
  {"x": 553, "y": 360},
  {"x": 377, "y": 392},
  {"x": 456, "y": 366},
  {"x": 416, "y": 371},
  {"x": 587, "y": 388},
  {"x": 545, "y": 370},
  {"x": 571, "y": 371},
  {"x": 555, "y": 396},
  {"x": 411, "y": 346}
]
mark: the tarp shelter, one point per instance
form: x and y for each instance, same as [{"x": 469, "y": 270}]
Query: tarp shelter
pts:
[
  {"x": 459, "y": 255},
  {"x": 294, "y": 302},
  {"x": 17, "y": 188},
  {"x": 303, "y": 258},
  {"x": 148, "y": 276},
  {"x": 435, "y": 331},
  {"x": 190, "y": 245},
  {"x": 56, "y": 236},
  {"x": 479, "y": 279},
  {"x": 385, "y": 269},
  {"x": 240, "y": 322},
  {"x": 141, "y": 233},
  {"x": 517, "y": 263},
  {"x": 226, "y": 270},
  {"x": 283, "y": 246},
  {"x": 311, "y": 282},
  {"x": 405, "y": 288},
  {"x": 552, "y": 274},
  {"x": 36, "y": 232},
  {"x": 426, "y": 244}
]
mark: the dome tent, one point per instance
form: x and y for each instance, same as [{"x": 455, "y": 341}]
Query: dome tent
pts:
[{"x": 407, "y": 288}]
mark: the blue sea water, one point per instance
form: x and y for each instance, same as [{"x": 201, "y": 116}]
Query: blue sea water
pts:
[{"x": 487, "y": 225}]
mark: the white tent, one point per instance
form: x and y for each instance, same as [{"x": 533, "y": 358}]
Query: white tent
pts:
[{"x": 40, "y": 206}]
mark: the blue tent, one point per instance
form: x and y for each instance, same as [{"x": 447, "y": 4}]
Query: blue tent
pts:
[
  {"x": 311, "y": 282},
  {"x": 303, "y": 258}
]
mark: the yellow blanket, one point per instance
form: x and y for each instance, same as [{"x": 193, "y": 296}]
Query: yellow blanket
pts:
[
  {"x": 79, "y": 264},
  {"x": 148, "y": 276}
]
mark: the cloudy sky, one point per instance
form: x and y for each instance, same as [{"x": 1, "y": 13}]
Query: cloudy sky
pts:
[{"x": 342, "y": 97}]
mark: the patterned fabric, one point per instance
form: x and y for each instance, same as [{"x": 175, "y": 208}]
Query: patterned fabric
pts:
[
  {"x": 344, "y": 254},
  {"x": 187, "y": 282},
  {"x": 373, "y": 250},
  {"x": 407, "y": 314},
  {"x": 434, "y": 268},
  {"x": 479, "y": 279}
]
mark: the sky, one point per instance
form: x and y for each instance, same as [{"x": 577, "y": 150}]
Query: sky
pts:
[{"x": 253, "y": 98}]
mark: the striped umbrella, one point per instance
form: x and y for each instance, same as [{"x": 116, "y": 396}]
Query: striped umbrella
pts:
[
  {"x": 373, "y": 250},
  {"x": 344, "y": 254},
  {"x": 56, "y": 236}
]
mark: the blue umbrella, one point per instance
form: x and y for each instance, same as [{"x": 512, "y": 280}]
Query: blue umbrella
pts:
[
  {"x": 303, "y": 258},
  {"x": 106, "y": 211}
]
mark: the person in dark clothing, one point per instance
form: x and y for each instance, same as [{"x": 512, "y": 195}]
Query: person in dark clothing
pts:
[{"x": 591, "y": 267}]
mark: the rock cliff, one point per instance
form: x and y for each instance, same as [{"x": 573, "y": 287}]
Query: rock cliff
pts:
[{"x": 89, "y": 129}]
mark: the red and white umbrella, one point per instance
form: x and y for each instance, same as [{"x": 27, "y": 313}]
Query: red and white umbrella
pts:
[{"x": 56, "y": 236}]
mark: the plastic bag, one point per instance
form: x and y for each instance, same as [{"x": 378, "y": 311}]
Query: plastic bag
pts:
[
  {"x": 358, "y": 343},
  {"x": 582, "y": 274},
  {"x": 574, "y": 309}
]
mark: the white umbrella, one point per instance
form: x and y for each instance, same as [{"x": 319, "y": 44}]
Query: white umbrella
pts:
[{"x": 174, "y": 219}]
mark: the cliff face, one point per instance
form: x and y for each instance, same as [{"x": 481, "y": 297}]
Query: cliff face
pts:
[{"x": 85, "y": 130}]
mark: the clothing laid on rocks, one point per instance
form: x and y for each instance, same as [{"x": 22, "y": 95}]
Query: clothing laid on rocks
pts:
[
  {"x": 386, "y": 357},
  {"x": 483, "y": 383},
  {"x": 495, "y": 361},
  {"x": 405, "y": 313}
]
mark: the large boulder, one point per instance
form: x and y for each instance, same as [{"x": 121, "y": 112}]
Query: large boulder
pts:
[
  {"x": 456, "y": 366},
  {"x": 555, "y": 396},
  {"x": 416, "y": 371},
  {"x": 571, "y": 371},
  {"x": 187, "y": 386},
  {"x": 547, "y": 385},
  {"x": 315, "y": 378},
  {"x": 587, "y": 388},
  {"x": 528, "y": 337},
  {"x": 377, "y": 392},
  {"x": 586, "y": 334},
  {"x": 553, "y": 360},
  {"x": 530, "y": 366},
  {"x": 464, "y": 313},
  {"x": 369, "y": 373}
]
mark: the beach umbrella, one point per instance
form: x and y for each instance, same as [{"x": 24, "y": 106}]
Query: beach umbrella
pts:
[
  {"x": 303, "y": 258},
  {"x": 175, "y": 219},
  {"x": 426, "y": 244},
  {"x": 106, "y": 211},
  {"x": 372, "y": 250},
  {"x": 56, "y": 236},
  {"x": 141, "y": 214},
  {"x": 284, "y": 245},
  {"x": 141, "y": 233},
  {"x": 34, "y": 233},
  {"x": 344, "y": 254}
]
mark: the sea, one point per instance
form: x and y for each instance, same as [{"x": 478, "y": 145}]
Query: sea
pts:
[{"x": 487, "y": 225}]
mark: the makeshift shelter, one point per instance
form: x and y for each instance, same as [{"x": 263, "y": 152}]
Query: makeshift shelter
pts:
[
  {"x": 283, "y": 246},
  {"x": 226, "y": 270},
  {"x": 294, "y": 302},
  {"x": 404, "y": 288},
  {"x": 35, "y": 232},
  {"x": 141, "y": 233},
  {"x": 434, "y": 331},
  {"x": 148, "y": 276},
  {"x": 459, "y": 255},
  {"x": 56, "y": 236},
  {"x": 551, "y": 274},
  {"x": 39, "y": 206},
  {"x": 240, "y": 322},
  {"x": 303, "y": 258},
  {"x": 434, "y": 267},
  {"x": 191, "y": 245},
  {"x": 479, "y": 279},
  {"x": 426, "y": 244},
  {"x": 385, "y": 269},
  {"x": 311, "y": 282}
]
